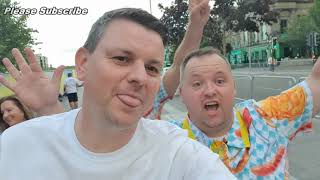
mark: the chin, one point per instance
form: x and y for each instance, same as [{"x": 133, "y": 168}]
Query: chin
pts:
[{"x": 216, "y": 122}]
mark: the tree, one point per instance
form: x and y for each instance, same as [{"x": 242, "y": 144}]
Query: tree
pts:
[
  {"x": 244, "y": 15},
  {"x": 314, "y": 15},
  {"x": 300, "y": 27},
  {"x": 234, "y": 15},
  {"x": 13, "y": 32},
  {"x": 298, "y": 30},
  {"x": 175, "y": 18}
]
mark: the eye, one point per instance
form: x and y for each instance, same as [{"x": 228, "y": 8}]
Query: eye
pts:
[
  {"x": 120, "y": 59},
  {"x": 196, "y": 84},
  {"x": 220, "y": 81},
  {"x": 152, "y": 69}
]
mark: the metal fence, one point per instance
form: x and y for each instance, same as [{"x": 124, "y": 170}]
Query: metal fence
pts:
[{"x": 261, "y": 86}]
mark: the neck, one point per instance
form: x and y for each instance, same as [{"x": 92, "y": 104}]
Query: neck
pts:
[{"x": 100, "y": 137}]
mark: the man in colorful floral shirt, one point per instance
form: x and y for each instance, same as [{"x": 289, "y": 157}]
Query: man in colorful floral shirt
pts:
[{"x": 251, "y": 137}]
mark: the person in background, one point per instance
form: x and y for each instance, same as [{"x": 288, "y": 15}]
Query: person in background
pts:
[
  {"x": 71, "y": 85},
  {"x": 12, "y": 112},
  {"x": 314, "y": 58},
  {"x": 252, "y": 138}
]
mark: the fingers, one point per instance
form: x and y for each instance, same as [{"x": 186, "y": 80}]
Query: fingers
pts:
[
  {"x": 203, "y": 6},
  {"x": 315, "y": 73},
  {"x": 34, "y": 65},
  {"x": 11, "y": 69},
  {"x": 57, "y": 74},
  {"x": 22, "y": 64},
  {"x": 194, "y": 3},
  {"x": 6, "y": 83}
]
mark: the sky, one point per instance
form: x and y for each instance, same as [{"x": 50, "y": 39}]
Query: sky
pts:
[{"x": 62, "y": 35}]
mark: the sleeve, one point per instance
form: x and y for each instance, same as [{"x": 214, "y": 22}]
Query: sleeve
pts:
[
  {"x": 161, "y": 98},
  {"x": 290, "y": 112}
]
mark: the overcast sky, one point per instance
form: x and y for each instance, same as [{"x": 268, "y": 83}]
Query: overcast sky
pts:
[{"x": 62, "y": 35}]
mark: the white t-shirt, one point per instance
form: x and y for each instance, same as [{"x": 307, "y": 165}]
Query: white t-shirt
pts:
[
  {"x": 46, "y": 148},
  {"x": 71, "y": 84}
]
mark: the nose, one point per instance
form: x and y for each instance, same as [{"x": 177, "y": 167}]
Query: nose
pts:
[
  {"x": 210, "y": 89},
  {"x": 5, "y": 115},
  {"x": 138, "y": 74}
]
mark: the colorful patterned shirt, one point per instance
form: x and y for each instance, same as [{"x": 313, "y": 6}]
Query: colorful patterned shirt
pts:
[
  {"x": 161, "y": 98},
  {"x": 271, "y": 123}
]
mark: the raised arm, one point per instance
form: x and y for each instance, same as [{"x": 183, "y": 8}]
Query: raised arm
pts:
[
  {"x": 314, "y": 84},
  {"x": 32, "y": 86},
  {"x": 198, "y": 17}
]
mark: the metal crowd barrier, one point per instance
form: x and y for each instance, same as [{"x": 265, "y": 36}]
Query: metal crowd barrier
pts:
[{"x": 261, "y": 86}]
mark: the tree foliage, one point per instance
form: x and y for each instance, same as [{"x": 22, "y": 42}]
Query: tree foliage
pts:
[
  {"x": 298, "y": 30},
  {"x": 315, "y": 15},
  {"x": 14, "y": 32},
  {"x": 244, "y": 15},
  {"x": 300, "y": 26},
  {"x": 234, "y": 15}
]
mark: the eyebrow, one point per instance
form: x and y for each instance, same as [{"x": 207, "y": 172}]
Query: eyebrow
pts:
[
  {"x": 196, "y": 74},
  {"x": 151, "y": 61}
]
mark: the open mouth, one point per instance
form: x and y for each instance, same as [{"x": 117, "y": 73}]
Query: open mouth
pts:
[{"x": 211, "y": 106}]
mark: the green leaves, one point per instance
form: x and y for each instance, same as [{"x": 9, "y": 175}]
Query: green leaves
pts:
[
  {"x": 300, "y": 26},
  {"x": 14, "y": 32}
]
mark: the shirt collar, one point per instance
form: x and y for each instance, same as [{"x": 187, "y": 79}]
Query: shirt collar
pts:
[{"x": 233, "y": 136}]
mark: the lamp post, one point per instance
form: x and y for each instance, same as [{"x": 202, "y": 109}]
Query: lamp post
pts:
[
  {"x": 249, "y": 50},
  {"x": 150, "y": 6}
]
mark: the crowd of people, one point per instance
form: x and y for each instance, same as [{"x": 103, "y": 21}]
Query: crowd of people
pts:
[{"x": 113, "y": 134}]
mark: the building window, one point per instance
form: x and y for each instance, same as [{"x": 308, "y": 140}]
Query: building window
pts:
[{"x": 283, "y": 25}]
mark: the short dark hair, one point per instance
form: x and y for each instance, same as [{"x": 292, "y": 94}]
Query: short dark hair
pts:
[
  {"x": 26, "y": 112},
  {"x": 199, "y": 53},
  {"x": 132, "y": 14},
  {"x": 69, "y": 74}
]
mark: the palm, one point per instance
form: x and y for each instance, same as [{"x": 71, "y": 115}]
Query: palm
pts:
[
  {"x": 36, "y": 90},
  {"x": 32, "y": 86},
  {"x": 199, "y": 11}
]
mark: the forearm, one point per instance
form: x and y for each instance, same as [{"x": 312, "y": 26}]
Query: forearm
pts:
[
  {"x": 315, "y": 90},
  {"x": 190, "y": 42}
]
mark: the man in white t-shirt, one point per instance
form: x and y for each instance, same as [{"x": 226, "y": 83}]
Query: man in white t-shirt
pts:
[
  {"x": 70, "y": 89},
  {"x": 107, "y": 138}
]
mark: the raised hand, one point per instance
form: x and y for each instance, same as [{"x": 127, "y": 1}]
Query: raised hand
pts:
[
  {"x": 32, "y": 86},
  {"x": 314, "y": 83},
  {"x": 199, "y": 11}
]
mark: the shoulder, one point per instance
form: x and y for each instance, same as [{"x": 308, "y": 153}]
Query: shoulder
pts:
[
  {"x": 173, "y": 133},
  {"x": 162, "y": 127},
  {"x": 199, "y": 162}
]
